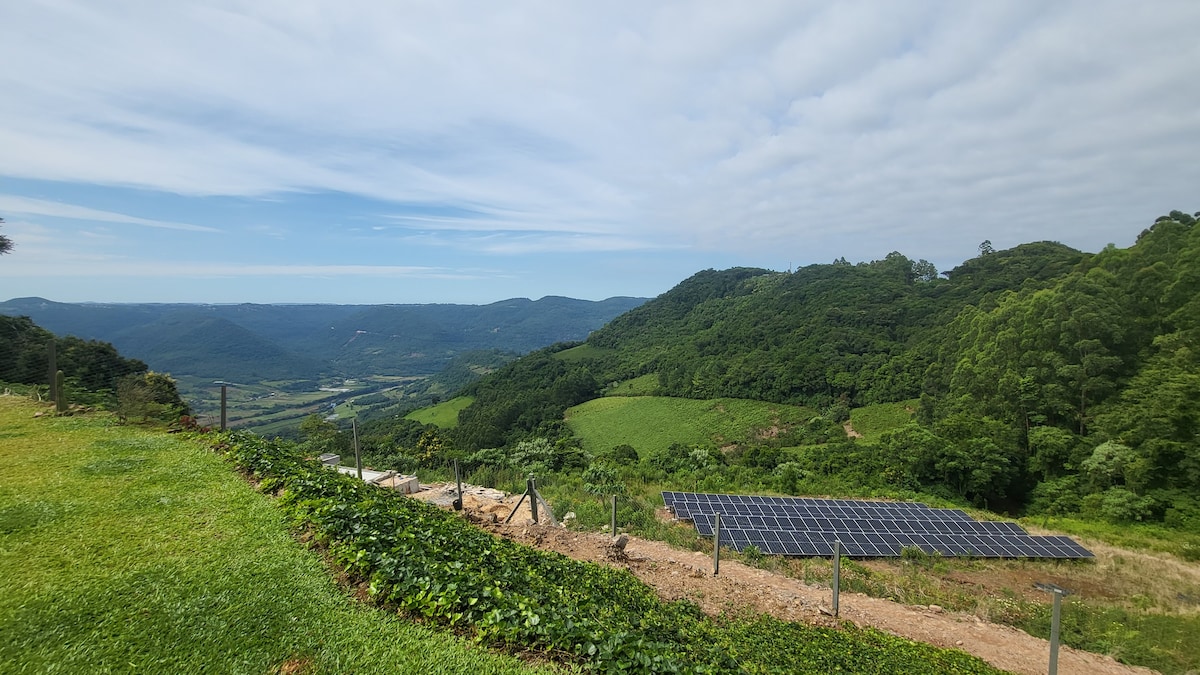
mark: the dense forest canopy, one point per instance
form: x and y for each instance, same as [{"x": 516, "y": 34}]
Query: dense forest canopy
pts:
[{"x": 1043, "y": 378}]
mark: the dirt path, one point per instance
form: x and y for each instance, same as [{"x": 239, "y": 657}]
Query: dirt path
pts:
[{"x": 679, "y": 574}]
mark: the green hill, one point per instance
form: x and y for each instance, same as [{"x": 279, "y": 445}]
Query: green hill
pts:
[{"x": 1040, "y": 379}]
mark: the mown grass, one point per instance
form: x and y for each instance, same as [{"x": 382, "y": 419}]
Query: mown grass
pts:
[
  {"x": 129, "y": 550},
  {"x": 444, "y": 415},
  {"x": 651, "y": 423},
  {"x": 872, "y": 420}
]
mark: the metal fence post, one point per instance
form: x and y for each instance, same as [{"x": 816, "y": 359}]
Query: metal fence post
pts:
[
  {"x": 837, "y": 574},
  {"x": 357, "y": 460},
  {"x": 223, "y": 400},
  {"x": 613, "y": 518},
  {"x": 1056, "y": 615},
  {"x": 531, "y": 487},
  {"x": 458, "y": 501},
  {"x": 716, "y": 544}
]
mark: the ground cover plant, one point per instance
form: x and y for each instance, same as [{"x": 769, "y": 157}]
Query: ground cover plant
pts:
[
  {"x": 430, "y": 563},
  {"x": 127, "y": 549}
]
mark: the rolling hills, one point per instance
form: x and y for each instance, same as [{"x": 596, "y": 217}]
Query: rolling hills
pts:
[{"x": 257, "y": 342}]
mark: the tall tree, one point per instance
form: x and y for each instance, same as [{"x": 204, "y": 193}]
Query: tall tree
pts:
[{"x": 6, "y": 244}]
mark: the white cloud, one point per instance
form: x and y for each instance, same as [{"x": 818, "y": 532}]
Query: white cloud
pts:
[
  {"x": 41, "y": 207},
  {"x": 852, "y": 128}
]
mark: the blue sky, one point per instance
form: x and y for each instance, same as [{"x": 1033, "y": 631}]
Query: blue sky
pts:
[{"x": 469, "y": 152}]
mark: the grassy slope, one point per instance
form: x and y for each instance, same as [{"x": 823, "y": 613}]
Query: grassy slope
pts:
[
  {"x": 444, "y": 415},
  {"x": 127, "y": 550},
  {"x": 650, "y": 423},
  {"x": 872, "y": 420}
]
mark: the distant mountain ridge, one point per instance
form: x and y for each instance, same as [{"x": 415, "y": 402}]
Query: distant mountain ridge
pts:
[{"x": 255, "y": 341}]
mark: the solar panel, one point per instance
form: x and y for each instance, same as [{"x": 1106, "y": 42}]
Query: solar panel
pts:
[{"x": 806, "y": 526}]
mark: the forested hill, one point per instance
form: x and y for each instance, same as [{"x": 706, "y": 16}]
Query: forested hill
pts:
[
  {"x": 1040, "y": 370},
  {"x": 864, "y": 333},
  {"x": 252, "y": 341}
]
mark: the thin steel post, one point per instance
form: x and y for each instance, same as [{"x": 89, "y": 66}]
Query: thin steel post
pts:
[
  {"x": 357, "y": 459},
  {"x": 458, "y": 501},
  {"x": 223, "y": 399},
  {"x": 531, "y": 487},
  {"x": 716, "y": 544},
  {"x": 837, "y": 574},
  {"x": 613, "y": 518},
  {"x": 1054, "y": 619}
]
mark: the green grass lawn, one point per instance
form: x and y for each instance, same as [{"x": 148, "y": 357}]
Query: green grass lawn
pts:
[
  {"x": 872, "y": 420},
  {"x": 130, "y": 550},
  {"x": 581, "y": 352},
  {"x": 444, "y": 415},
  {"x": 653, "y": 422},
  {"x": 644, "y": 385}
]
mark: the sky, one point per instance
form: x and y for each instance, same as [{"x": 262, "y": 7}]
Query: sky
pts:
[{"x": 381, "y": 151}]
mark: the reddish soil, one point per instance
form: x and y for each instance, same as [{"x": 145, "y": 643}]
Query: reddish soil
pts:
[{"x": 738, "y": 588}]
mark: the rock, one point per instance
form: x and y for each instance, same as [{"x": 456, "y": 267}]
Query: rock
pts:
[
  {"x": 936, "y": 609},
  {"x": 959, "y": 643}
]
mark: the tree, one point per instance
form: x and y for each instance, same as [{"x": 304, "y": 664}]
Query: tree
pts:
[
  {"x": 602, "y": 480},
  {"x": 321, "y": 436},
  {"x": 985, "y": 247},
  {"x": 149, "y": 395},
  {"x": 6, "y": 244},
  {"x": 923, "y": 270}
]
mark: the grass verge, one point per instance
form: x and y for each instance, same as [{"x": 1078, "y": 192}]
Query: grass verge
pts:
[{"x": 128, "y": 550}]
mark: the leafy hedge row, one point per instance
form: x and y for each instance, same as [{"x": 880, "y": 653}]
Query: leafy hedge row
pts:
[{"x": 431, "y": 563}]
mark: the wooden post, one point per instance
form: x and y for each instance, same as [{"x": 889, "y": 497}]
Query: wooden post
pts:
[
  {"x": 837, "y": 574},
  {"x": 716, "y": 544},
  {"x": 613, "y": 518},
  {"x": 60, "y": 400},
  {"x": 223, "y": 400},
  {"x": 357, "y": 459}
]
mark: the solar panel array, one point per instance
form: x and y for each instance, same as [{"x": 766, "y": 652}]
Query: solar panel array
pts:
[{"x": 805, "y": 526}]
